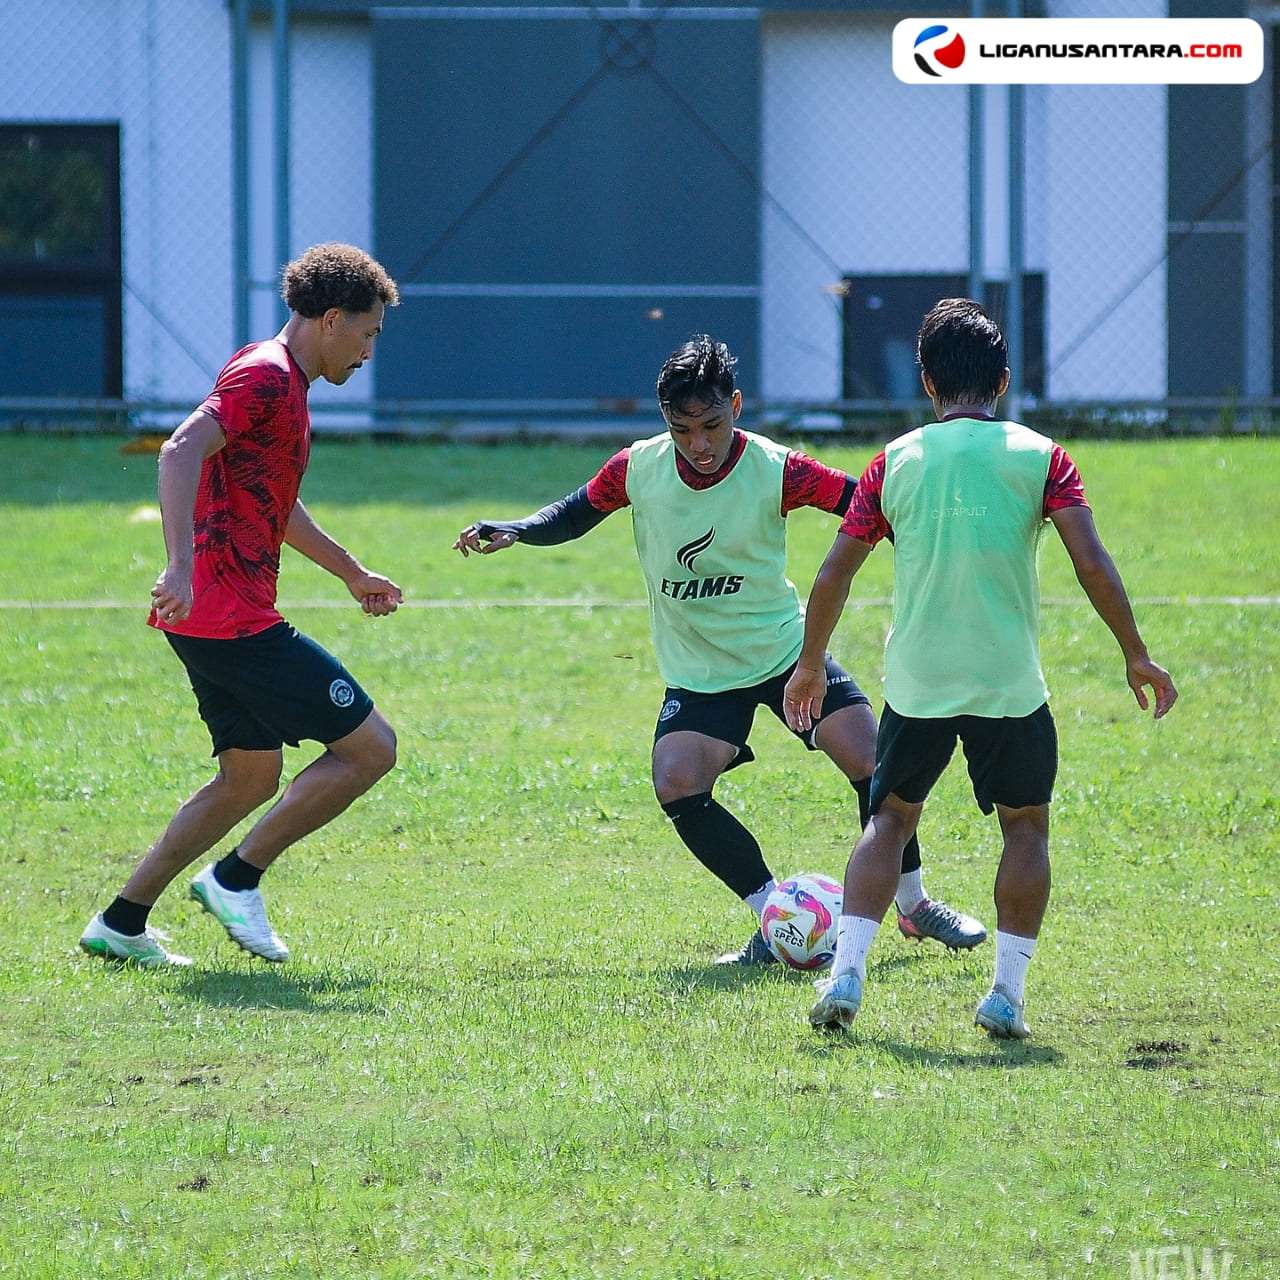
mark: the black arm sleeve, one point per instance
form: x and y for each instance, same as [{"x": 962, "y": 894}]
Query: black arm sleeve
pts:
[
  {"x": 562, "y": 521},
  {"x": 842, "y": 507}
]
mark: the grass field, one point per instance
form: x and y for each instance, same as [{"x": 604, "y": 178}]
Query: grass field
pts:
[{"x": 500, "y": 1049}]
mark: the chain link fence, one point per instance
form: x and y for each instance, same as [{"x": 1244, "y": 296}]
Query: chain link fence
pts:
[
  {"x": 1145, "y": 216},
  {"x": 155, "y": 214}
]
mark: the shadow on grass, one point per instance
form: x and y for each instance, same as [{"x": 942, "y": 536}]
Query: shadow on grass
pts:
[
  {"x": 688, "y": 978},
  {"x": 1001, "y": 1054},
  {"x": 276, "y": 989}
]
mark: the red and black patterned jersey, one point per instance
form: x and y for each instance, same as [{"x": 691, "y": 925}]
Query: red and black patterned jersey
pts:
[
  {"x": 247, "y": 493},
  {"x": 866, "y": 521},
  {"x": 805, "y": 481}
]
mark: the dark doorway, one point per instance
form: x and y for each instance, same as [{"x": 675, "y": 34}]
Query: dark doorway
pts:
[
  {"x": 60, "y": 276},
  {"x": 882, "y": 315}
]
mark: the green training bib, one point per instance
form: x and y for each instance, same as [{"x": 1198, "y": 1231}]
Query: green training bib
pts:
[{"x": 722, "y": 612}]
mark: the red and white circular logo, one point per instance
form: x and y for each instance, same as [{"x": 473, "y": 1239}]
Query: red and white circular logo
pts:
[{"x": 938, "y": 47}]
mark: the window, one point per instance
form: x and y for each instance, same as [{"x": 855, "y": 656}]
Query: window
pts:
[
  {"x": 882, "y": 316},
  {"x": 60, "y": 277}
]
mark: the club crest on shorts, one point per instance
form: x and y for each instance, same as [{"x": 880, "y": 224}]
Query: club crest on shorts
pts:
[
  {"x": 669, "y": 708},
  {"x": 341, "y": 694}
]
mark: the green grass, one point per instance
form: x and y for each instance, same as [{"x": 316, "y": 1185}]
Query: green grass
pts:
[{"x": 500, "y": 1049}]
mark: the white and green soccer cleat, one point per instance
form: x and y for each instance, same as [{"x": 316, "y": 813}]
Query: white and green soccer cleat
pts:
[
  {"x": 142, "y": 949},
  {"x": 1000, "y": 1016},
  {"x": 242, "y": 914}
]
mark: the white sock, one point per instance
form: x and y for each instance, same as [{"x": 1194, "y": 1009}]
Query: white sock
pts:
[
  {"x": 1012, "y": 957},
  {"x": 910, "y": 891},
  {"x": 853, "y": 941},
  {"x": 757, "y": 900}
]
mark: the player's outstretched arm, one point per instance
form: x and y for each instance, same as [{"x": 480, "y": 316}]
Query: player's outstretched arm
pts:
[
  {"x": 560, "y": 521},
  {"x": 377, "y": 595},
  {"x": 181, "y": 457},
  {"x": 1099, "y": 577},
  {"x": 802, "y": 698}
]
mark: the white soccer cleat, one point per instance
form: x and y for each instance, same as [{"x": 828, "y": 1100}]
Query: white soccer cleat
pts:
[
  {"x": 1000, "y": 1016},
  {"x": 838, "y": 1002},
  {"x": 142, "y": 949},
  {"x": 242, "y": 914}
]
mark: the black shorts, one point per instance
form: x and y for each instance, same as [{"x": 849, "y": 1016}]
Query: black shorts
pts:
[
  {"x": 1012, "y": 761},
  {"x": 259, "y": 692},
  {"x": 728, "y": 716}
]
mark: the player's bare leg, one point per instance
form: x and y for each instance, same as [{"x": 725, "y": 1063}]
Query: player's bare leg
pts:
[
  {"x": 686, "y": 764},
  {"x": 1021, "y": 894},
  {"x": 871, "y": 877},
  {"x": 1023, "y": 880},
  {"x": 347, "y": 769},
  {"x": 326, "y": 787},
  {"x": 848, "y": 737},
  {"x": 245, "y": 780},
  {"x": 869, "y": 884}
]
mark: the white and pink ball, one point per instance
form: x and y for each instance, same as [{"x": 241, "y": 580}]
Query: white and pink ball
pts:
[{"x": 800, "y": 919}]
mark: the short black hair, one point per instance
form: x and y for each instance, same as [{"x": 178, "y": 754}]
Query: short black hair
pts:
[
  {"x": 335, "y": 275},
  {"x": 963, "y": 351},
  {"x": 701, "y": 371}
]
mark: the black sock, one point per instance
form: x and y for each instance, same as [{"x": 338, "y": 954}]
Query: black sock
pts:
[
  {"x": 126, "y": 917},
  {"x": 720, "y": 842},
  {"x": 911, "y": 854},
  {"x": 234, "y": 873}
]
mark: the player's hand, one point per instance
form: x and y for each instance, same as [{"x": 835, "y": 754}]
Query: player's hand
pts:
[
  {"x": 378, "y": 596},
  {"x": 802, "y": 698},
  {"x": 484, "y": 539},
  {"x": 1141, "y": 672},
  {"x": 171, "y": 597}
]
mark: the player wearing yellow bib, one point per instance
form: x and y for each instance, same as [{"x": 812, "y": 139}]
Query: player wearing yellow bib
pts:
[
  {"x": 709, "y": 504},
  {"x": 965, "y": 501}
]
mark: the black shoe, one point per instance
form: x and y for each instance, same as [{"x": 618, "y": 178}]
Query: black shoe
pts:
[{"x": 755, "y": 952}]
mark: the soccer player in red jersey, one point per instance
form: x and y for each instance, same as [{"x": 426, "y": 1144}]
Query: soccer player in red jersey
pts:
[
  {"x": 229, "y": 480},
  {"x": 709, "y": 503}
]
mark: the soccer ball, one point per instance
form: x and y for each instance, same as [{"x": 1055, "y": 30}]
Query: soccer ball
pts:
[{"x": 799, "y": 921}]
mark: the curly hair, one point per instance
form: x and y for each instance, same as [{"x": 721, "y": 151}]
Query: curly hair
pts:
[
  {"x": 335, "y": 275},
  {"x": 701, "y": 370}
]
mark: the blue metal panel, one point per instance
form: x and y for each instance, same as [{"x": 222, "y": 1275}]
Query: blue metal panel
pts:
[
  {"x": 529, "y": 348},
  {"x": 376, "y": 8},
  {"x": 54, "y": 345},
  {"x": 1206, "y": 151},
  {"x": 563, "y": 152},
  {"x": 1206, "y": 318},
  {"x": 1206, "y": 266}
]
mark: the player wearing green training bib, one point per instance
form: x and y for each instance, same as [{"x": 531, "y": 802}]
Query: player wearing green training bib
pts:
[
  {"x": 709, "y": 504},
  {"x": 965, "y": 501}
]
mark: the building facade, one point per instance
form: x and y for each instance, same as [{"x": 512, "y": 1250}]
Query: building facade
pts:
[{"x": 565, "y": 192}]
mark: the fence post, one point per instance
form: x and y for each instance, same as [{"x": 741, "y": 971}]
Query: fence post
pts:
[
  {"x": 1013, "y": 328},
  {"x": 280, "y": 76},
  {"x": 240, "y": 172},
  {"x": 977, "y": 178}
]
